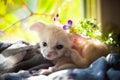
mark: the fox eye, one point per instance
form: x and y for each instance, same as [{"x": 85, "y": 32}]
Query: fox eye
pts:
[
  {"x": 44, "y": 44},
  {"x": 59, "y": 46}
]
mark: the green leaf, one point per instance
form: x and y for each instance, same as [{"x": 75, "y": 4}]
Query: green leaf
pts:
[
  {"x": 8, "y": 20},
  {"x": 2, "y": 8}
]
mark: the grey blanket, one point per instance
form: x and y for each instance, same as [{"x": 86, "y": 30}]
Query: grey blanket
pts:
[
  {"x": 19, "y": 56},
  {"x": 104, "y": 68}
]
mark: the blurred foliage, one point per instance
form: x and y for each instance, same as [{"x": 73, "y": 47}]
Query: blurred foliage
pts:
[
  {"x": 90, "y": 28},
  {"x": 17, "y": 15}
]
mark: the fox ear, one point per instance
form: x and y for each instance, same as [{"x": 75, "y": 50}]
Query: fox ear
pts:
[
  {"x": 38, "y": 27},
  {"x": 74, "y": 37},
  {"x": 77, "y": 39}
]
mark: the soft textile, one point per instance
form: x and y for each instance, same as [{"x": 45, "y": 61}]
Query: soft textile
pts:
[{"x": 102, "y": 69}]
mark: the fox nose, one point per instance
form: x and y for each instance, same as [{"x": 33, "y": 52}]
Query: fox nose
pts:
[{"x": 49, "y": 55}]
